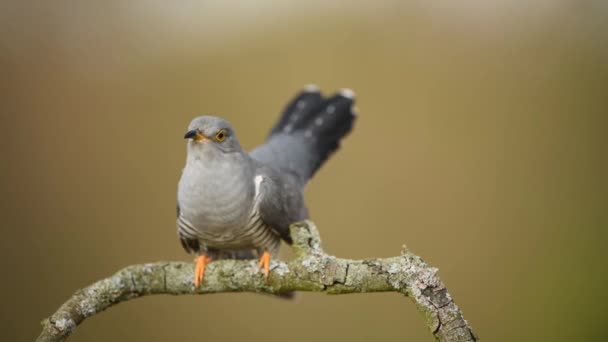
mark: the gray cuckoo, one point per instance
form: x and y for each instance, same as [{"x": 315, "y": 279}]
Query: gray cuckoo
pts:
[{"x": 235, "y": 204}]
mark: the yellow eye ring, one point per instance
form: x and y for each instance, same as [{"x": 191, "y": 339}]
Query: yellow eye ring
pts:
[{"x": 220, "y": 135}]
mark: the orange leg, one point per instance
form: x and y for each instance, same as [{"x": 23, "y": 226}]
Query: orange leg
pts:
[
  {"x": 265, "y": 263},
  {"x": 199, "y": 271}
]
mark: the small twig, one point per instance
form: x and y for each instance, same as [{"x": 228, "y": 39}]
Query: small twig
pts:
[{"x": 311, "y": 270}]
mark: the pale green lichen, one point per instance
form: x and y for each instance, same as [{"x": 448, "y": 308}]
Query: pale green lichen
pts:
[
  {"x": 65, "y": 324},
  {"x": 280, "y": 268}
]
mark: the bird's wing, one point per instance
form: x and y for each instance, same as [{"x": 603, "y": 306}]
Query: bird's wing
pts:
[
  {"x": 186, "y": 237},
  {"x": 280, "y": 202}
]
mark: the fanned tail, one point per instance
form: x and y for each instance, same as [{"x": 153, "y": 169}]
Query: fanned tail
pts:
[
  {"x": 299, "y": 110},
  {"x": 309, "y": 131}
]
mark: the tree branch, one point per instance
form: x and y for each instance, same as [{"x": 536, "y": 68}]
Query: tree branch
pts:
[{"x": 311, "y": 270}]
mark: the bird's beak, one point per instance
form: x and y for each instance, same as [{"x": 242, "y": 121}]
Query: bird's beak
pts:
[{"x": 195, "y": 135}]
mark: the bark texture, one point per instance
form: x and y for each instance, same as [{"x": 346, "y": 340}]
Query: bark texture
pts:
[{"x": 311, "y": 270}]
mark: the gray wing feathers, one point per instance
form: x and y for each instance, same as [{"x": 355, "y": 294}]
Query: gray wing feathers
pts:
[
  {"x": 188, "y": 240},
  {"x": 288, "y": 153},
  {"x": 281, "y": 202}
]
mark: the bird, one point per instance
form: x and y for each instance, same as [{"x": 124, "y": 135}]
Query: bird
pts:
[{"x": 234, "y": 204}]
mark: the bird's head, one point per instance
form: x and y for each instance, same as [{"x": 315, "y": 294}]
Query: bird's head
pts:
[{"x": 212, "y": 135}]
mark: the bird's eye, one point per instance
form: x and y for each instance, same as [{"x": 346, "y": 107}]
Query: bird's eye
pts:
[{"x": 220, "y": 135}]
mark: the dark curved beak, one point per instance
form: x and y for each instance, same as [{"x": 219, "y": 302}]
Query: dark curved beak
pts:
[
  {"x": 190, "y": 134},
  {"x": 195, "y": 135}
]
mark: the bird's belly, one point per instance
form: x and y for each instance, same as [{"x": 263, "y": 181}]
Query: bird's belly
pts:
[{"x": 254, "y": 234}]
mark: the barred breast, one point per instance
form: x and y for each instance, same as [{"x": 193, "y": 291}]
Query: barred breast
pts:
[
  {"x": 231, "y": 221},
  {"x": 215, "y": 198},
  {"x": 254, "y": 235}
]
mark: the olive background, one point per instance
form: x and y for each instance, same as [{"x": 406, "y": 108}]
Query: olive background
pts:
[{"x": 480, "y": 144}]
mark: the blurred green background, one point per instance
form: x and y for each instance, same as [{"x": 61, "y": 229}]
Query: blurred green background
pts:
[{"x": 480, "y": 144}]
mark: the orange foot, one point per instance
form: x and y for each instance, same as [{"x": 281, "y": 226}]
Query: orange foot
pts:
[
  {"x": 199, "y": 271},
  {"x": 265, "y": 263}
]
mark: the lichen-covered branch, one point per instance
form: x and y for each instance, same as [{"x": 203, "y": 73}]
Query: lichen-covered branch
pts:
[{"x": 311, "y": 270}]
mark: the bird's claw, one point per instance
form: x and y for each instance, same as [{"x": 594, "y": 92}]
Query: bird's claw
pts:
[
  {"x": 199, "y": 270},
  {"x": 265, "y": 264}
]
